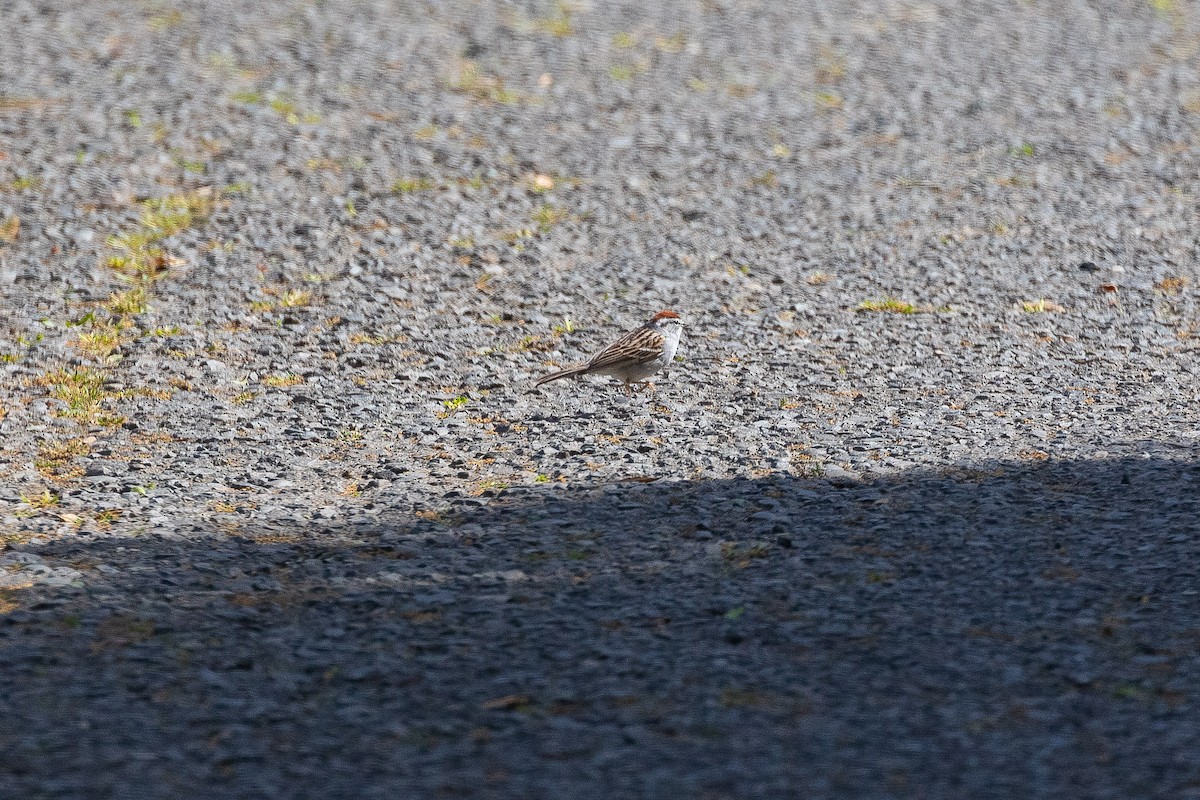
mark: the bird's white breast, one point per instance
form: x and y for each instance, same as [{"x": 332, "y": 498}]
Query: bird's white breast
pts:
[{"x": 671, "y": 334}]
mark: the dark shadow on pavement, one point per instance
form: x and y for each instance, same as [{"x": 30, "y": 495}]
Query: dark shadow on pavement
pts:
[{"x": 1003, "y": 630}]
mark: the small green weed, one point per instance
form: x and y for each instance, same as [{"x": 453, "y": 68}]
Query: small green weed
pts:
[
  {"x": 413, "y": 185},
  {"x": 1041, "y": 306},
  {"x": 889, "y": 305},
  {"x": 82, "y": 390},
  {"x": 480, "y": 86}
]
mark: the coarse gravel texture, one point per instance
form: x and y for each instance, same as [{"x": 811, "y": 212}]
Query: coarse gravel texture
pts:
[{"x": 915, "y": 514}]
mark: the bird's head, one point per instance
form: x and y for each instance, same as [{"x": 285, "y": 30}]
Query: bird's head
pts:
[{"x": 666, "y": 320}]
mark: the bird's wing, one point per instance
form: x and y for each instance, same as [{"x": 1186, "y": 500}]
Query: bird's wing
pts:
[{"x": 640, "y": 347}]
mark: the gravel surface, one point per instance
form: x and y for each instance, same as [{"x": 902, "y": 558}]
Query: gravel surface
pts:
[{"x": 915, "y": 514}]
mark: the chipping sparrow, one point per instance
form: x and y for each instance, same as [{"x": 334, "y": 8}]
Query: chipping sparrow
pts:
[{"x": 635, "y": 356}]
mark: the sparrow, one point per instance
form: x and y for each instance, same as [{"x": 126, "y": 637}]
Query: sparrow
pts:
[{"x": 635, "y": 356}]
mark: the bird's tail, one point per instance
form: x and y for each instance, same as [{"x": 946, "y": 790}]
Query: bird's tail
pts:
[{"x": 569, "y": 372}]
